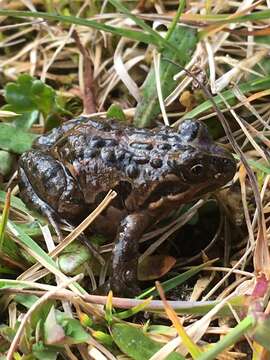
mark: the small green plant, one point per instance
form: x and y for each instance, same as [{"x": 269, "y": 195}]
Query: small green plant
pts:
[{"x": 29, "y": 98}]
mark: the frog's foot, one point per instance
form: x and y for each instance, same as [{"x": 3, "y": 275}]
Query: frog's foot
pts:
[
  {"x": 119, "y": 288},
  {"x": 124, "y": 281}
]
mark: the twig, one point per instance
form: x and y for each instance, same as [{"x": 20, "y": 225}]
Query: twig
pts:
[{"x": 89, "y": 96}]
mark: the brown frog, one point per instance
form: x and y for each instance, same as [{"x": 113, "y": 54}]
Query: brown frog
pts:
[{"x": 71, "y": 169}]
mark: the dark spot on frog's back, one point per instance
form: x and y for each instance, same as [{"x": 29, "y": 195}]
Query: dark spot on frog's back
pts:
[
  {"x": 107, "y": 155},
  {"x": 97, "y": 142},
  {"x": 173, "y": 164},
  {"x": 90, "y": 153},
  {"x": 189, "y": 129},
  {"x": 164, "y": 146},
  {"x": 132, "y": 171},
  {"x": 141, "y": 146},
  {"x": 156, "y": 163},
  {"x": 110, "y": 142},
  {"x": 119, "y": 154},
  {"x": 141, "y": 159}
]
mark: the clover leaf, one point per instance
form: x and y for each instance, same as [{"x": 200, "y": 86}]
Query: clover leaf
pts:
[{"x": 29, "y": 94}]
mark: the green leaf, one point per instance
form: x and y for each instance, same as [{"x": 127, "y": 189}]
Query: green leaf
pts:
[
  {"x": 15, "y": 140},
  {"x": 136, "y": 345},
  {"x": 185, "y": 39},
  {"x": 4, "y": 219},
  {"x": 7, "y": 332},
  {"x": 38, "y": 252},
  {"x": 73, "y": 329},
  {"x": 6, "y": 161},
  {"x": 28, "y": 94},
  {"x": 42, "y": 352},
  {"x": 17, "y": 94},
  {"x": 103, "y": 337},
  {"x": 72, "y": 257},
  {"x": 262, "y": 331},
  {"x": 32, "y": 228},
  {"x": 26, "y": 300},
  {"x": 26, "y": 120},
  {"x": 16, "y": 203},
  {"x": 41, "y": 313},
  {"x": 116, "y": 112},
  {"x": 53, "y": 332}
]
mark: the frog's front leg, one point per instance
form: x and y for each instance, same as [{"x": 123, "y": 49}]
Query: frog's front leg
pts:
[{"x": 123, "y": 279}]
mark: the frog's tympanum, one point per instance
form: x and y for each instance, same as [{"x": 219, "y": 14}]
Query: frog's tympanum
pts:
[{"x": 71, "y": 169}]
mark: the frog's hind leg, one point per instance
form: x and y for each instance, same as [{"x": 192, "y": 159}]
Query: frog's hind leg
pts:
[
  {"x": 30, "y": 198},
  {"x": 47, "y": 186}
]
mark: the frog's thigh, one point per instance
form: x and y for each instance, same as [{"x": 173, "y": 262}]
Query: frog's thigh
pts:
[
  {"x": 123, "y": 280},
  {"x": 29, "y": 196},
  {"x": 45, "y": 184}
]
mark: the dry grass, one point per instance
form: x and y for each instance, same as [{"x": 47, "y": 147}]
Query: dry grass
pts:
[{"x": 230, "y": 54}]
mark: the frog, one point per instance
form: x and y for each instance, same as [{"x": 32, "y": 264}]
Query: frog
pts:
[{"x": 69, "y": 171}]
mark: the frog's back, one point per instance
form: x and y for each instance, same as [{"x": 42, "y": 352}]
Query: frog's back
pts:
[
  {"x": 106, "y": 154},
  {"x": 136, "y": 154}
]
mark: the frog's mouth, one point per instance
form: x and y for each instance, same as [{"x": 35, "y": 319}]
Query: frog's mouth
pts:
[
  {"x": 208, "y": 189},
  {"x": 169, "y": 187},
  {"x": 165, "y": 189},
  {"x": 173, "y": 190}
]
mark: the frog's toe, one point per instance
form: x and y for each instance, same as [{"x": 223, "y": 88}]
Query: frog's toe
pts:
[
  {"x": 124, "y": 283},
  {"x": 125, "y": 290}
]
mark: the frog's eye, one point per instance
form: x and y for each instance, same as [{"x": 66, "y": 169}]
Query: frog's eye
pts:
[{"x": 197, "y": 170}]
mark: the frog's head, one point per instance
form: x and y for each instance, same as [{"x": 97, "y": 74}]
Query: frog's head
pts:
[
  {"x": 184, "y": 164},
  {"x": 202, "y": 162}
]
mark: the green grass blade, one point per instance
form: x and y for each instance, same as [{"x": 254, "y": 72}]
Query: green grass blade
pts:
[
  {"x": 131, "y": 34},
  {"x": 16, "y": 203},
  {"x": 177, "y": 280},
  {"x": 228, "y": 95},
  {"x": 148, "y": 107},
  {"x": 256, "y": 165},
  {"x": 131, "y": 312},
  {"x": 174, "y": 23},
  {"x": 262, "y": 331},
  {"x": 39, "y": 253},
  {"x": 20, "y": 284},
  {"x": 229, "y": 339},
  {"x": 141, "y": 23},
  {"x": 228, "y": 19},
  {"x": 4, "y": 219}
]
